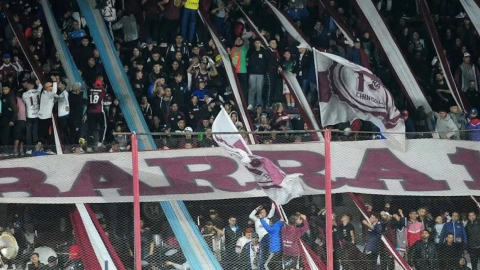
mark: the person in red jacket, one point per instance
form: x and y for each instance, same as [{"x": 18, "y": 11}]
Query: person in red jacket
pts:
[{"x": 291, "y": 233}]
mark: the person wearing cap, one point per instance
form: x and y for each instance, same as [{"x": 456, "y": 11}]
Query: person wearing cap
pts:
[
  {"x": 305, "y": 61},
  {"x": 77, "y": 33},
  {"x": 52, "y": 264},
  {"x": 257, "y": 67},
  {"x": 10, "y": 68},
  {"x": 473, "y": 125},
  {"x": 357, "y": 54},
  {"x": 467, "y": 72},
  {"x": 213, "y": 236},
  {"x": 251, "y": 254}
]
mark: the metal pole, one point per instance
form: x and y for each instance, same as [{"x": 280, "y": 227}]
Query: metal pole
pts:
[
  {"x": 328, "y": 199},
  {"x": 136, "y": 205}
]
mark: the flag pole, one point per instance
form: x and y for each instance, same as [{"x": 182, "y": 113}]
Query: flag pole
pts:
[
  {"x": 136, "y": 205},
  {"x": 328, "y": 199}
]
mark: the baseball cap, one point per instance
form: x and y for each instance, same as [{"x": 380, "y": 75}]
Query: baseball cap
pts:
[
  {"x": 474, "y": 111},
  {"x": 255, "y": 235},
  {"x": 302, "y": 45},
  {"x": 357, "y": 40},
  {"x": 52, "y": 259},
  {"x": 464, "y": 55},
  {"x": 188, "y": 129},
  {"x": 7, "y": 55},
  {"x": 213, "y": 211}
]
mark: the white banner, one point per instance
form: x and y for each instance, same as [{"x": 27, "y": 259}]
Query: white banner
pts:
[{"x": 429, "y": 167}]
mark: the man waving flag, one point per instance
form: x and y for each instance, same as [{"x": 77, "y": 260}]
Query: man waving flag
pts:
[{"x": 279, "y": 186}]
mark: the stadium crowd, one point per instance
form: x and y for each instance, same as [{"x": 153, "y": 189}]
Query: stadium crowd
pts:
[{"x": 179, "y": 79}]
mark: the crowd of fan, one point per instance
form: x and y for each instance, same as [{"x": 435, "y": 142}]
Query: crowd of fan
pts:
[
  {"x": 179, "y": 79},
  {"x": 426, "y": 242}
]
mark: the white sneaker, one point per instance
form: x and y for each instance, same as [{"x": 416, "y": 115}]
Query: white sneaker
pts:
[
  {"x": 49, "y": 152},
  {"x": 29, "y": 152},
  {"x": 460, "y": 15},
  {"x": 250, "y": 107}
]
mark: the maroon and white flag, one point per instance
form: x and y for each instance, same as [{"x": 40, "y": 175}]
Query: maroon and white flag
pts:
[
  {"x": 349, "y": 91},
  {"x": 279, "y": 186}
]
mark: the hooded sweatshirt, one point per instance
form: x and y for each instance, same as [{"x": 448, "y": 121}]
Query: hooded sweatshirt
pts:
[
  {"x": 274, "y": 233},
  {"x": 446, "y": 127},
  {"x": 474, "y": 127}
]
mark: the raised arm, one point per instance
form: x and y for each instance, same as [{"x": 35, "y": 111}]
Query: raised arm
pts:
[{"x": 272, "y": 211}]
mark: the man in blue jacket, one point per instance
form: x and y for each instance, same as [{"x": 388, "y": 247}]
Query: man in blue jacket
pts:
[
  {"x": 456, "y": 228},
  {"x": 274, "y": 229}
]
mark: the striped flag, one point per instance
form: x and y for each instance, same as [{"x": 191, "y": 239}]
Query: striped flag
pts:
[{"x": 279, "y": 186}]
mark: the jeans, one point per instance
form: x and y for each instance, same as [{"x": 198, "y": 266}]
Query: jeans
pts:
[
  {"x": 32, "y": 131},
  {"x": 189, "y": 20},
  {"x": 255, "y": 87}
]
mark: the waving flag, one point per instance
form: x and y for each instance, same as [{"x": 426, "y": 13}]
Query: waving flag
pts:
[
  {"x": 349, "y": 91},
  {"x": 279, "y": 186}
]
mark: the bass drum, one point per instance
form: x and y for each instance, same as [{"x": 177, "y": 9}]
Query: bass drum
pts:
[{"x": 44, "y": 253}]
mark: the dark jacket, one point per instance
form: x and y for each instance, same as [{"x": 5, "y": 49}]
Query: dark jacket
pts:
[
  {"x": 425, "y": 256},
  {"x": 257, "y": 62},
  {"x": 244, "y": 259},
  {"x": 449, "y": 255},
  {"x": 305, "y": 64},
  {"x": 273, "y": 60},
  {"x": 473, "y": 233},
  {"x": 8, "y": 108}
]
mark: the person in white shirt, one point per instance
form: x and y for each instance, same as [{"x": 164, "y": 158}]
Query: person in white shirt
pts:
[
  {"x": 246, "y": 238},
  {"x": 63, "y": 111},
  {"x": 47, "y": 98},
  {"x": 32, "y": 104},
  {"x": 257, "y": 214}
]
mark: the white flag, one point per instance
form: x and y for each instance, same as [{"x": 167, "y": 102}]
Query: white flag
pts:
[
  {"x": 279, "y": 186},
  {"x": 349, "y": 91}
]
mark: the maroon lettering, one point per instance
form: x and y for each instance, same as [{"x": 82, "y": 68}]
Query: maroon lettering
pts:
[
  {"x": 96, "y": 175},
  {"x": 29, "y": 180},
  {"x": 182, "y": 180},
  {"x": 379, "y": 165},
  {"x": 470, "y": 159},
  {"x": 311, "y": 164}
]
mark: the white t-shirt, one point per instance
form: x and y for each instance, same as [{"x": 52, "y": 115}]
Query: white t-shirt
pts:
[
  {"x": 32, "y": 102},
  {"x": 46, "y": 102},
  {"x": 241, "y": 242},
  {"x": 63, "y": 104}
]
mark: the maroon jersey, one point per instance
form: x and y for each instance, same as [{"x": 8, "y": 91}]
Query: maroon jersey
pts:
[{"x": 96, "y": 99}]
